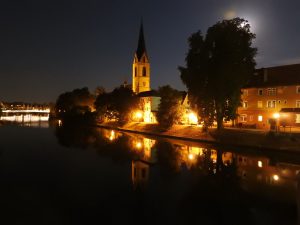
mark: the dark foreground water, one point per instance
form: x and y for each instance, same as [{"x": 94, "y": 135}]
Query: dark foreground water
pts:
[{"x": 97, "y": 176}]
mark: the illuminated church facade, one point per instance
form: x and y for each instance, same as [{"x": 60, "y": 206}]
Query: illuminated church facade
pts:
[{"x": 149, "y": 99}]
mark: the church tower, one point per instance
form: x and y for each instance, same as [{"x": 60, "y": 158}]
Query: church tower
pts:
[{"x": 141, "y": 66}]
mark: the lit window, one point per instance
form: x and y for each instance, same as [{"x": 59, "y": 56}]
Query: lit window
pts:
[
  {"x": 243, "y": 118},
  {"x": 260, "y": 92},
  {"x": 271, "y": 91},
  {"x": 297, "y": 103},
  {"x": 271, "y": 104},
  {"x": 259, "y": 104},
  {"x": 260, "y": 118},
  {"x": 245, "y": 104},
  {"x": 297, "y": 118}
]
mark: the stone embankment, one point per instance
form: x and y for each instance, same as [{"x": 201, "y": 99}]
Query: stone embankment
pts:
[{"x": 259, "y": 139}]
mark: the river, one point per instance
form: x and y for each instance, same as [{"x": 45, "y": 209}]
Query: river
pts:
[{"x": 60, "y": 175}]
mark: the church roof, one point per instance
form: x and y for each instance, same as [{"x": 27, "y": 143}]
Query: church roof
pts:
[{"x": 141, "y": 49}]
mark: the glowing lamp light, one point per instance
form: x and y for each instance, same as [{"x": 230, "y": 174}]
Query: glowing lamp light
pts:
[
  {"x": 275, "y": 177},
  {"x": 138, "y": 115},
  {"x": 260, "y": 118},
  {"x": 193, "y": 118},
  {"x": 138, "y": 145},
  {"x": 259, "y": 164},
  {"x": 276, "y": 115},
  {"x": 191, "y": 156}
]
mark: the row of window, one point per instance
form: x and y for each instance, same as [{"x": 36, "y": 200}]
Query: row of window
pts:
[
  {"x": 269, "y": 91},
  {"x": 270, "y": 104},
  {"x": 243, "y": 118},
  {"x": 144, "y": 73}
]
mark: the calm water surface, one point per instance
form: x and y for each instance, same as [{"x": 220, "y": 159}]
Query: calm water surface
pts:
[{"x": 59, "y": 175}]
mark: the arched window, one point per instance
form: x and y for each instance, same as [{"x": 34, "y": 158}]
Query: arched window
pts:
[
  {"x": 144, "y": 71},
  {"x": 135, "y": 71}
]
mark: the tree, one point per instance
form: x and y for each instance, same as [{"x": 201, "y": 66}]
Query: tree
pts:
[
  {"x": 118, "y": 104},
  {"x": 99, "y": 90},
  {"x": 217, "y": 67},
  {"x": 170, "y": 110},
  {"x": 76, "y": 102}
]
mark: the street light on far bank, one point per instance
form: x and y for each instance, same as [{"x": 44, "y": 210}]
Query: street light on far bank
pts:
[{"x": 276, "y": 115}]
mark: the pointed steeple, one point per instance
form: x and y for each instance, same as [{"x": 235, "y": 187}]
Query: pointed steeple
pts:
[{"x": 141, "y": 49}]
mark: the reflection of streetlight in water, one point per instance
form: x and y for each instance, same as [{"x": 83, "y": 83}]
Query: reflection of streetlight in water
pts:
[{"x": 112, "y": 135}]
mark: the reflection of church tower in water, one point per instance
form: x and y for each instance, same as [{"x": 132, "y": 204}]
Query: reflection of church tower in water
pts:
[
  {"x": 141, "y": 66},
  {"x": 140, "y": 173}
]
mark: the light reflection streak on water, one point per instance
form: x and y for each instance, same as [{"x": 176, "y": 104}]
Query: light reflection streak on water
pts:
[{"x": 256, "y": 172}]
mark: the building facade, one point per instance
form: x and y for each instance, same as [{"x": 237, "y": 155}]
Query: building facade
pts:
[{"x": 270, "y": 93}]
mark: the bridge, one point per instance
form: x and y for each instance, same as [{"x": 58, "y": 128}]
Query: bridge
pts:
[
  {"x": 47, "y": 111},
  {"x": 25, "y": 115}
]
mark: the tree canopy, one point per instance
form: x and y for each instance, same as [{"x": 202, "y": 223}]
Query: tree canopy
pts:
[
  {"x": 170, "y": 110},
  {"x": 76, "y": 102},
  {"x": 118, "y": 104},
  {"x": 218, "y": 65}
]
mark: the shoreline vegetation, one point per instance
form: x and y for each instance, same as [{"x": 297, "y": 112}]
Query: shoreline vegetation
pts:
[{"x": 234, "y": 137}]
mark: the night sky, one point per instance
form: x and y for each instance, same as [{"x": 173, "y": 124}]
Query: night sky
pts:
[{"x": 49, "y": 47}]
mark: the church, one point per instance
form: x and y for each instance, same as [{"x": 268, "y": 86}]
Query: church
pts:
[{"x": 149, "y": 99}]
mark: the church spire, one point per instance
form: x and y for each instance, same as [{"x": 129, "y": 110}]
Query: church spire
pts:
[
  {"x": 141, "y": 49},
  {"x": 141, "y": 66}
]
